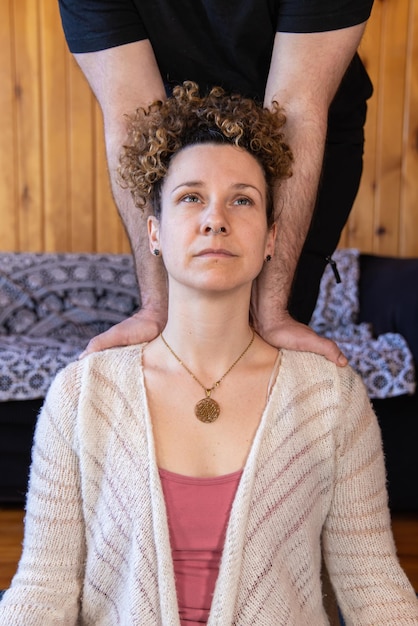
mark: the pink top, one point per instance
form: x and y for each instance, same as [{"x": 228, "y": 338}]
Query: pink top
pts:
[{"x": 198, "y": 512}]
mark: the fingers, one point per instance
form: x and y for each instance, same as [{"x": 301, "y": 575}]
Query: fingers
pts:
[
  {"x": 330, "y": 351},
  {"x": 292, "y": 335},
  {"x": 108, "y": 339},
  {"x": 140, "y": 328}
]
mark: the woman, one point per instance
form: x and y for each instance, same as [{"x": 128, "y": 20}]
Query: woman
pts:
[{"x": 201, "y": 477}]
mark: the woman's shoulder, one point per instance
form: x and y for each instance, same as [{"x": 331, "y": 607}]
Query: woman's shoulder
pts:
[
  {"x": 111, "y": 357},
  {"x": 100, "y": 382},
  {"x": 113, "y": 362},
  {"x": 300, "y": 358},
  {"x": 307, "y": 368},
  {"x": 311, "y": 384}
]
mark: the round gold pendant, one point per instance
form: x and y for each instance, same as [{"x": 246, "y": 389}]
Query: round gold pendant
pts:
[{"x": 207, "y": 410}]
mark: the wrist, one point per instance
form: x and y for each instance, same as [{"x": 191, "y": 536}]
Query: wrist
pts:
[{"x": 155, "y": 313}]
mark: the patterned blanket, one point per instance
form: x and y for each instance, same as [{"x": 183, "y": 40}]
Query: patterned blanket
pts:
[
  {"x": 52, "y": 304},
  {"x": 385, "y": 362}
]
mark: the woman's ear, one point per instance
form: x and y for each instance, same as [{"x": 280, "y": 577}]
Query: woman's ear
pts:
[
  {"x": 271, "y": 240},
  {"x": 153, "y": 226}
]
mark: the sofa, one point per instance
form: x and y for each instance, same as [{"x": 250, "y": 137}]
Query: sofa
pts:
[
  {"x": 52, "y": 304},
  {"x": 388, "y": 297}
]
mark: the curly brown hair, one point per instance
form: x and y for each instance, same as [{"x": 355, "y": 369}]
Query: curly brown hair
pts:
[{"x": 186, "y": 118}]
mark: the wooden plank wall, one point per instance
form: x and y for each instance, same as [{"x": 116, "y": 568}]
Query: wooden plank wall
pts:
[
  {"x": 54, "y": 191},
  {"x": 384, "y": 219}
]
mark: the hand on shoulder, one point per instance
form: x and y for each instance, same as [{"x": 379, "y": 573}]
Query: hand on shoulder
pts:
[
  {"x": 141, "y": 327},
  {"x": 292, "y": 335}
]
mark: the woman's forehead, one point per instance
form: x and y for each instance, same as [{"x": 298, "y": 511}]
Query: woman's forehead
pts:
[{"x": 216, "y": 161}]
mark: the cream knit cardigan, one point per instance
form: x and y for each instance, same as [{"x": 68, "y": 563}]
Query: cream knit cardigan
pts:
[{"x": 96, "y": 548}]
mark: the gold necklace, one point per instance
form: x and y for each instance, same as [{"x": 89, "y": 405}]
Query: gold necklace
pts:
[{"x": 207, "y": 410}]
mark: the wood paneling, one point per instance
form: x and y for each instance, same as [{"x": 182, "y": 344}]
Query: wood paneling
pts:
[
  {"x": 8, "y": 157},
  {"x": 409, "y": 192},
  {"x": 384, "y": 219},
  {"x": 28, "y": 109},
  {"x": 54, "y": 188},
  {"x": 55, "y": 135},
  {"x": 11, "y": 537}
]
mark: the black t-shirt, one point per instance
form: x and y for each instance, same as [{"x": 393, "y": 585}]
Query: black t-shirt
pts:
[{"x": 217, "y": 42}]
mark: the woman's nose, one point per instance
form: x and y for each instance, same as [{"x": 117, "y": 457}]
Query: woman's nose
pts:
[
  {"x": 214, "y": 219},
  {"x": 218, "y": 231}
]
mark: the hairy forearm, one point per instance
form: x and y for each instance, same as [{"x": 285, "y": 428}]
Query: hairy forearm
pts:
[
  {"x": 150, "y": 270},
  {"x": 124, "y": 78},
  {"x": 294, "y": 204},
  {"x": 305, "y": 72},
  {"x": 295, "y": 199}
]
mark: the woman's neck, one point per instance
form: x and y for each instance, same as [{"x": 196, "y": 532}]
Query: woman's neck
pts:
[{"x": 208, "y": 330}]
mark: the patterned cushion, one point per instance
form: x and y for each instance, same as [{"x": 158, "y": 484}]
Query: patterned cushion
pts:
[
  {"x": 385, "y": 363},
  {"x": 337, "y": 304},
  {"x": 50, "y": 306}
]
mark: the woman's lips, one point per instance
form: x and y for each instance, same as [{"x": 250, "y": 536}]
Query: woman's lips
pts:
[{"x": 215, "y": 252}]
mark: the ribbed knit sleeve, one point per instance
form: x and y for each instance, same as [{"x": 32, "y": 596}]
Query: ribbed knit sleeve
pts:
[
  {"x": 47, "y": 584},
  {"x": 358, "y": 544}
]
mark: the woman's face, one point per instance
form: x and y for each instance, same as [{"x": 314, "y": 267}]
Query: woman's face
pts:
[{"x": 213, "y": 231}]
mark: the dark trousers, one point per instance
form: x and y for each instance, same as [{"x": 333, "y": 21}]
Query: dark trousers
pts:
[{"x": 342, "y": 169}]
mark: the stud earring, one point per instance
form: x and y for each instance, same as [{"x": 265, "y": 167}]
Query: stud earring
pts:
[
  {"x": 156, "y": 252},
  {"x": 268, "y": 258}
]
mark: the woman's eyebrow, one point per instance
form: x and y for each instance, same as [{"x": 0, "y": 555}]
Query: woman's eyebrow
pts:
[
  {"x": 200, "y": 183},
  {"x": 247, "y": 186},
  {"x": 188, "y": 183}
]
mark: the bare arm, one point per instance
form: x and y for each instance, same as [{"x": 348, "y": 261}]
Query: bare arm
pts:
[
  {"x": 124, "y": 78},
  {"x": 305, "y": 72}
]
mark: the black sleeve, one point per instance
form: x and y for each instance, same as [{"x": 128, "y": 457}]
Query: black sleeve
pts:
[
  {"x": 307, "y": 16},
  {"x": 92, "y": 25}
]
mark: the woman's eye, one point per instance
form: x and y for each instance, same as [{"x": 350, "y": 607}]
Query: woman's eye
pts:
[
  {"x": 190, "y": 197},
  {"x": 243, "y": 201}
]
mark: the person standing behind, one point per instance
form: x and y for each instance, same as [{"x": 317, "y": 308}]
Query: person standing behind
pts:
[{"x": 133, "y": 52}]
